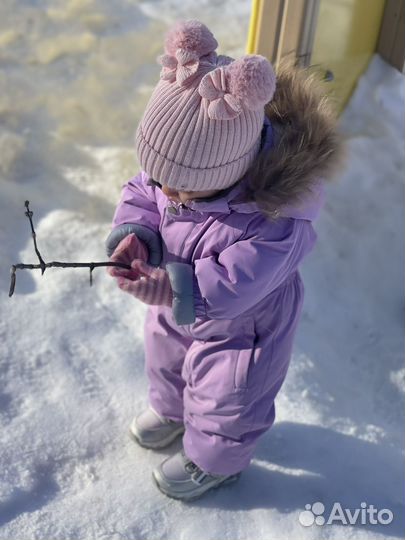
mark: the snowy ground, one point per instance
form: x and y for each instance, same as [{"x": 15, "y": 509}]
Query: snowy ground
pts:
[{"x": 74, "y": 77}]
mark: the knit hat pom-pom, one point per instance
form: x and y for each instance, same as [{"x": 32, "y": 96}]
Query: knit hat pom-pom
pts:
[
  {"x": 192, "y": 36},
  {"x": 252, "y": 80}
]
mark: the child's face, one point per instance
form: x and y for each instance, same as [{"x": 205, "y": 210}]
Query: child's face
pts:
[{"x": 183, "y": 196}]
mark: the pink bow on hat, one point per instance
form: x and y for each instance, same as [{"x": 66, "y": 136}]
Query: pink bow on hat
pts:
[
  {"x": 223, "y": 105},
  {"x": 183, "y": 65},
  {"x": 245, "y": 84}
]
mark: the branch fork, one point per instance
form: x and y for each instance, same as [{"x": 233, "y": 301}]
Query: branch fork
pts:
[{"x": 43, "y": 265}]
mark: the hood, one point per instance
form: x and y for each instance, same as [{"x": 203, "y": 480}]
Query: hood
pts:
[{"x": 303, "y": 149}]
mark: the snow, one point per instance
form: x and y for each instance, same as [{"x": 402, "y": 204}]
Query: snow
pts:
[{"x": 75, "y": 78}]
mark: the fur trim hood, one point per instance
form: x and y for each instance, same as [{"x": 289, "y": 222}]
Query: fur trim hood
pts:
[{"x": 306, "y": 148}]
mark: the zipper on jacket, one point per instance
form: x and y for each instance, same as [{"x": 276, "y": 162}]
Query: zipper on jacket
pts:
[{"x": 173, "y": 208}]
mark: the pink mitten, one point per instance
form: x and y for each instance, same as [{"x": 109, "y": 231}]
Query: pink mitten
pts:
[
  {"x": 129, "y": 249},
  {"x": 147, "y": 283}
]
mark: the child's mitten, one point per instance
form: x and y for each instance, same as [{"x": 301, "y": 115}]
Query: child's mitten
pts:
[
  {"x": 147, "y": 283},
  {"x": 127, "y": 251}
]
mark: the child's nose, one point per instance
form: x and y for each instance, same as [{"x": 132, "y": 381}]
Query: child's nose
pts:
[{"x": 169, "y": 192}]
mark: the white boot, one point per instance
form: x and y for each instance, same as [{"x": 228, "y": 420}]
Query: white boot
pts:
[
  {"x": 151, "y": 430},
  {"x": 178, "y": 477}
]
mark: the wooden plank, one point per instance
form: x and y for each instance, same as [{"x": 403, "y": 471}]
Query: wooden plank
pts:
[{"x": 391, "y": 42}]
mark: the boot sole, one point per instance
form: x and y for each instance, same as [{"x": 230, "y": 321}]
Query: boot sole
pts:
[
  {"x": 231, "y": 480},
  {"x": 161, "y": 444}
]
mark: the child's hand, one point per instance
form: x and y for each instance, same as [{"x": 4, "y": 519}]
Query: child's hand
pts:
[
  {"x": 147, "y": 283},
  {"x": 129, "y": 249}
]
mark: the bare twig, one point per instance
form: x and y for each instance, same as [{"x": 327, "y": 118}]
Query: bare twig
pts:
[
  {"x": 43, "y": 265},
  {"x": 28, "y": 213}
]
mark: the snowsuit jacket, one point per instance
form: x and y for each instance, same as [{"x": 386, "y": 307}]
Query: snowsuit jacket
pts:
[{"x": 218, "y": 357}]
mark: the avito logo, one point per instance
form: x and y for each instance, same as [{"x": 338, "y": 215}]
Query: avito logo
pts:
[{"x": 365, "y": 515}]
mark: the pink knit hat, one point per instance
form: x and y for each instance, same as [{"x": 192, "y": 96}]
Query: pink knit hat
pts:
[{"x": 201, "y": 128}]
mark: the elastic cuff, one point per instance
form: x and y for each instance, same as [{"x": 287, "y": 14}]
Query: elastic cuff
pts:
[
  {"x": 151, "y": 239},
  {"x": 181, "y": 279}
]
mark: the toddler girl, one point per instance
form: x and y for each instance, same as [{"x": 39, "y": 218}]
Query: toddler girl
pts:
[{"x": 214, "y": 228}]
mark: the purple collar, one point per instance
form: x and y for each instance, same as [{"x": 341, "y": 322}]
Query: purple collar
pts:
[{"x": 219, "y": 204}]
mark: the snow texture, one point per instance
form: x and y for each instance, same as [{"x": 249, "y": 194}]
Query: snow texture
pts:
[{"x": 74, "y": 79}]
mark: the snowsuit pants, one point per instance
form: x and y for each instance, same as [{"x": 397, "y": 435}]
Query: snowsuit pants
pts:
[{"x": 221, "y": 377}]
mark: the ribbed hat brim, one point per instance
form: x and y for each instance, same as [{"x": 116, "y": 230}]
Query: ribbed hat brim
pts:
[{"x": 187, "y": 178}]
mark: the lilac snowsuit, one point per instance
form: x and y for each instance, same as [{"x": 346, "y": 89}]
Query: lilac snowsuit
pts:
[{"x": 220, "y": 374}]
